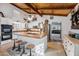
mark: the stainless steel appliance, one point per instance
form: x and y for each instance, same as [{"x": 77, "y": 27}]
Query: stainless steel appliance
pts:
[
  {"x": 6, "y": 32},
  {"x": 55, "y": 31}
]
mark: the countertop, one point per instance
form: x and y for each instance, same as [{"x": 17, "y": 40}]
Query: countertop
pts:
[
  {"x": 74, "y": 40},
  {"x": 37, "y": 36},
  {"x": 25, "y": 30},
  {"x": 33, "y": 33}
]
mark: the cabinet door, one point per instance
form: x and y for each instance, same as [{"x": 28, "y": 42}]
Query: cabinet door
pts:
[
  {"x": 71, "y": 49},
  {"x": 68, "y": 46},
  {"x": 39, "y": 49},
  {"x": 65, "y": 43}
]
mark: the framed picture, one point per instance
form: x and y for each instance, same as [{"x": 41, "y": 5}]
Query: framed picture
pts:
[{"x": 75, "y": 20}]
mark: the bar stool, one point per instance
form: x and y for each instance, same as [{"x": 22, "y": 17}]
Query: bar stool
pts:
[
  {"x": 30, "y": 46},
  {"x": 19, "y": 42},
  {"x": 16, "y": 43},
  {"x": 23, "y": 48}
]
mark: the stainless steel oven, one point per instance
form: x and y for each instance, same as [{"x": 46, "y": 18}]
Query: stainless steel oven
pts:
[
  {"x": 55, "y": 31},
  {"x": 6, "y": 32}
]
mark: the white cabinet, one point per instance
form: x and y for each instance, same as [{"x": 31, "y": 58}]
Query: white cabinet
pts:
[
  {"x": 39, "y": 50},
  {"x": 70, "y": 46},
  {"x": 18, "y": 25}
]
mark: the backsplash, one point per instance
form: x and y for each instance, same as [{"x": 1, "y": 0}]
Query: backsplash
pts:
[{"x": 74, "y": 30}]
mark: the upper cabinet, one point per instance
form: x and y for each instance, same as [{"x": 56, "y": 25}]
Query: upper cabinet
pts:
[{"x": 18, "y": 25}]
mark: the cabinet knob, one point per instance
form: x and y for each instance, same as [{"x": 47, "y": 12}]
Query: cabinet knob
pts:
[
  {"x": 65, "y": 42},
  {"x": 70, "y": 43}
]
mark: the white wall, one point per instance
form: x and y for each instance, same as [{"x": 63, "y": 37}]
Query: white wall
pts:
[{"x": 11, "y": 13}]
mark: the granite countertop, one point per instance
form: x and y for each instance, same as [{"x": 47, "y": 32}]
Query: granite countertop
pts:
[
  {"x": 33, "y": 33},
  {"x": 74, "y": 40},
  {"x": 25, "y": 30}
]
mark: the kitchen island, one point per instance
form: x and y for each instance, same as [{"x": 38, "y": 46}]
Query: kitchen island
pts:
[{"x": 33, "y": 37}]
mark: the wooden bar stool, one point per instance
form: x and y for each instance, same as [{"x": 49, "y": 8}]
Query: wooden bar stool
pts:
[{"x": 30, "y": 46}]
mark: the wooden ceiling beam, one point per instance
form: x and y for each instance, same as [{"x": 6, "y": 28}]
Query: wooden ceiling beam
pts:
[
  {"x": 19, "y": 7},
  {"x": 34, "y": 9},
  {"x": 55, "y": 5},
  {"x": 59, "y": 7},
  {"x": 65, "y": 10},
  {"x": 55, "y": 14},
  {"x": 45, "y": 9},
  {"x": 51, "y": 14}
]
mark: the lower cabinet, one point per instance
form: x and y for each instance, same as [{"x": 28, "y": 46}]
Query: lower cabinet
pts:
[
  {"x": 39, "y": 50},
  {"x": 71, "y": 48}
]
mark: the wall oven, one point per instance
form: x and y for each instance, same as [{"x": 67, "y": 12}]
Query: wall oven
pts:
[
  {"x": 6, "y": 32},
  {"x": 55, "y": 31}
]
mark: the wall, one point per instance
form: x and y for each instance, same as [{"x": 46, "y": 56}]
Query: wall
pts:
[
  {"x": 39, "y": 20},
  {"x": 11, "y": 13}
]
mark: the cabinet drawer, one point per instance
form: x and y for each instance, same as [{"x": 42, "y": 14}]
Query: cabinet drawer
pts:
[{"x": 69, "y": 47}]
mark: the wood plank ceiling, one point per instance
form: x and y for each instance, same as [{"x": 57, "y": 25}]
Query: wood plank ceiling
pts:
[{"x": 59, "y": 9}]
